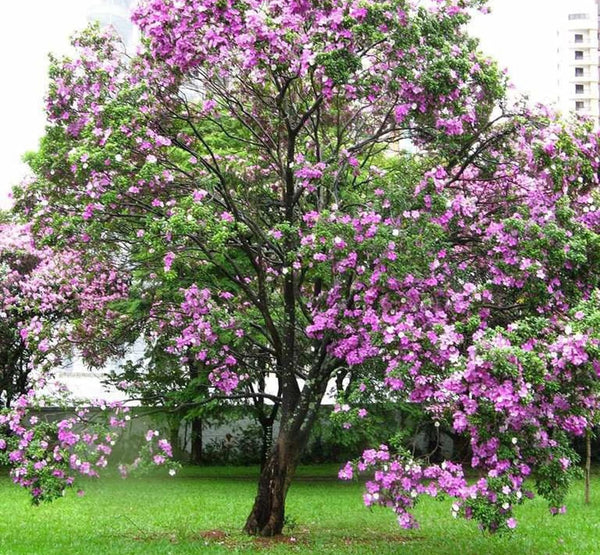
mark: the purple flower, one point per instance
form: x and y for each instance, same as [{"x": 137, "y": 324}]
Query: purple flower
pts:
[{"x": 168, "y": 260}]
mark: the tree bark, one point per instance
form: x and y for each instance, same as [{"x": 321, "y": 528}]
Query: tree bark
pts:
[
  {"x": 268, "y": 512},
  {"x": 267, "y": 441}
]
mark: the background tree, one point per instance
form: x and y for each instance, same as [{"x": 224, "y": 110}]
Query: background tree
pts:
[
  {"x": 45, "y": 302},
  {"x": 17, "y": 262},
  {"x": 49, "y": 302}
]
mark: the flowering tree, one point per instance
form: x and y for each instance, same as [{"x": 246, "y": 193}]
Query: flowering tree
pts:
[
  {"x": 16, "y": 264},
  {"x": 240, "y": 171},
  {"x": 46, "y": 305}
]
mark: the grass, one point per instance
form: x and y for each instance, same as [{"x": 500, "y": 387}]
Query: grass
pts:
[{"x": 202, "y": 510}]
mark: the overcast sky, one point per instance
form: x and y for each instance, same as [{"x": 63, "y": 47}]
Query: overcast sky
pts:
[
  {"x": 29, "y": 30},
  {"x": 520, "y": 34}
]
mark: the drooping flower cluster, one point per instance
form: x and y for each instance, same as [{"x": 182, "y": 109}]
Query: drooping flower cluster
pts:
[
  {"x": 497, "y": 333},
  {"x": 46, "y": 455},
  {"x": 399, "y": 484}
]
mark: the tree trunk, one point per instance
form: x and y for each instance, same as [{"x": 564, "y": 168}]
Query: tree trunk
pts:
[
  {"x": 588, "y": 464},
  {"x": 267, "y": 442},
  {"x": 268, "y": 513},
  {"x": 299, "y": 411},
  {"x": 174, "y": 439},
  {"x": 196, "y": 441}
]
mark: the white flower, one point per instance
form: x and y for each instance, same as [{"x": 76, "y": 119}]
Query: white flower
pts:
[
  {"x": 505, "y": 506},
  {"x": 172, "y": 472},
  {"x": 514, "y": 440}
]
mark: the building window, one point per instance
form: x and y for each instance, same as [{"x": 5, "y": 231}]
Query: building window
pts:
[
  {"x": 579, "y": 89},
  {"x": 578, "y": 72},
  {"x": 579, "y": 54},
  {"x": 578, "y": 37},
  {"x": 579, "y": 105}
]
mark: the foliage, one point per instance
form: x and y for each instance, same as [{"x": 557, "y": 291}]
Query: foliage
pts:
[
  {"x": 508, "y": 348},
  {"x": 241, "y": 446}
]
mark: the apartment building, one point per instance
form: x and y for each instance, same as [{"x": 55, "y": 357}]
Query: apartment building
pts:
[{"x": 578, "y": 59}]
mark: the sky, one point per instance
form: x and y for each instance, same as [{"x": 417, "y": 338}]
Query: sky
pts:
[
  {"x": 520, "y": 34},
  {"x": 29, "y": 30}
]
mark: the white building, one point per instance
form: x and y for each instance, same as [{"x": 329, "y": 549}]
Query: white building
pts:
[
  {"x": 116, "y": 14},
  {"x": 578, "y": 59}
]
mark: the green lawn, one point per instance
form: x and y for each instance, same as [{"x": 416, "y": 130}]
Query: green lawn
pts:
[{"x": 202, "y": 509}]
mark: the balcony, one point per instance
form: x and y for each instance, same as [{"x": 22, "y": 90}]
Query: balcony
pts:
[{"x": 585, "y": 61}]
